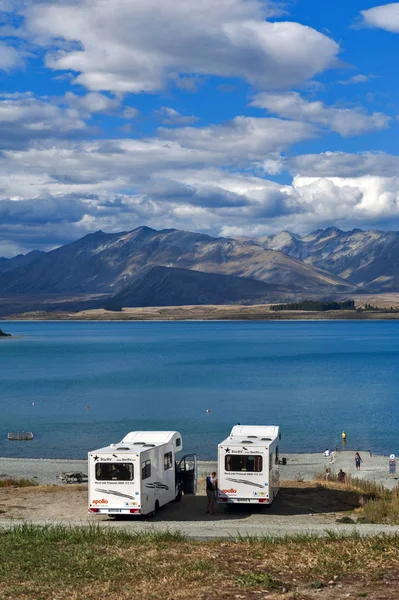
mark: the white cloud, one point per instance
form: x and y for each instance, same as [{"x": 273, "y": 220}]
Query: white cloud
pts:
[
  {"x": 122, "y": 163},
  {"x": 24, "y": 118},
  {"x": 385, "y": 17},
  {"x": 135, "y": 46},
  {"x": 93, "y": 102},
  {"x": 54, "y": 189},
  {"x": 365, "y": 199},
  {"x": 343, "y": 164},
  {"x": 360, "y": 78},
  {"x": 241, "y": 140},
  {"x": 73, "y": 188},
  {"x": 345, "y": 121},
  {"x": 9, "y": 58},
  {"x": 170, "y": 116},
  {"x": 130, "y": 113}
]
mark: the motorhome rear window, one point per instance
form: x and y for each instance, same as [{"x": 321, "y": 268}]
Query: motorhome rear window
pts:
[
  {"x": 252, "y": 464},
  {"x": 114, "y": 472}
]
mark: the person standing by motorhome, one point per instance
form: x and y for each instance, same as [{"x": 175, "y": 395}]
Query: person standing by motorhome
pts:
[
  {"x": 211, "y": 491},
  {"x": 358, "y": 460}
]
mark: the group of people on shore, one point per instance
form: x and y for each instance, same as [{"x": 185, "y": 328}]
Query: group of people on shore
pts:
[{"x": 341, "y": 476}]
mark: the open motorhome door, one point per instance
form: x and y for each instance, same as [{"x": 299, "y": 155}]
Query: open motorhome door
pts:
[{"x": 187, "y": 474}]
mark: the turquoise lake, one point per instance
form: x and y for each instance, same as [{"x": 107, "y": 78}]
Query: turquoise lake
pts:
[{"x": 314, "y": 379}]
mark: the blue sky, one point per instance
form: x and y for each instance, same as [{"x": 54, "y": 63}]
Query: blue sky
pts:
[{"x": 238, "y": 117}]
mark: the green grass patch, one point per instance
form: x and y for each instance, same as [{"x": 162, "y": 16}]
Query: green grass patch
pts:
[
  {"x": 66, "y": 563},
  {"x": 345, "y": 520},
  {"x": 383, "y": 510},
  {"x": 261, "y": 580}
]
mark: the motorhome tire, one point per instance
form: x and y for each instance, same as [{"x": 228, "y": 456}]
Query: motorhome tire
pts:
[
  {"x": 179, "y": 495},
  {"x": 154, "y": 512}
]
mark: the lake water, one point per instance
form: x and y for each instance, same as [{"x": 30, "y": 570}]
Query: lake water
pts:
[{"x": 314, "y": 379}]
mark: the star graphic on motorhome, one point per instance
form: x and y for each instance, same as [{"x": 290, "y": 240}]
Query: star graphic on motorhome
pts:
[
  {"x": 96, "y": 457},
  {"x": 227, "y": 450}
]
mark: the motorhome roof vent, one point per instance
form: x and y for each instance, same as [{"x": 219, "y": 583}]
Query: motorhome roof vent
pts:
[
  {"x": 123, "y": 448},
  {"x": 138, "y": 444},
  {"x": 254, "y": 437},
  {"x": 246, "y": 442},
  {"x": 266, "y": 439},
  {"x": 149, "y": 445}
]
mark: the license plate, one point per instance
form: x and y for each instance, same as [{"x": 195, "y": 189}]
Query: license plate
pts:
[{"x": 116, "y": 510}]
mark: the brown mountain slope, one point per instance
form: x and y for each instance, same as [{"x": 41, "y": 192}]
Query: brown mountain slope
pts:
[
  {"x": 168, "y": 286},
  {"x": 104, "y": 263}
]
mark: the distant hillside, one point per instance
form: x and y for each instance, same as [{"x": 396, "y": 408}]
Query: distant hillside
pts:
[
  {"x": 368, "y": 259},
  {"x": 106, "y": 263},
  {"x": 169, "y": 286},
  {"x": 22, "y": 260}
]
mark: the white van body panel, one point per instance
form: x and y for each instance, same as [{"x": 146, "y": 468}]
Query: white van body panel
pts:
[{"x": 248, "y": 465}]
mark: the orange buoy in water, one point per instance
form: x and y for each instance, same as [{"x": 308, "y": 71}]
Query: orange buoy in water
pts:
[
  {"x": 208, "y": 410},
  {"x": 87, "y": 407}
]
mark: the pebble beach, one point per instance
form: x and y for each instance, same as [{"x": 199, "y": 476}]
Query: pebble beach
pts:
[{"x": 299, "y": 467}]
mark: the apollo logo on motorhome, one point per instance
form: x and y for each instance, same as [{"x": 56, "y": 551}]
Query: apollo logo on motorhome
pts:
[{"x": 102, "y": 501}]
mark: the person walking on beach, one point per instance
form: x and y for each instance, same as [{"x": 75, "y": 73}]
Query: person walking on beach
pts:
[
  {"x": 358, "y": 460},
  {"x": 211, "y": 491}
]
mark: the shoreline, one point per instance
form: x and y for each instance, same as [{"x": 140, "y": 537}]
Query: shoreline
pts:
[
  {"x": 287, "y": 319},
  {"x": 210, "y": 312},
  {"x": 299, "y": 467}
]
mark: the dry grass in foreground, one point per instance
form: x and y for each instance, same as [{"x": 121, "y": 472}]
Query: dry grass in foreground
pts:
[
  {"x": 60, "y": 563},
  {"x": 378, "y": 504},
  {"x": 19, "y": 483}
]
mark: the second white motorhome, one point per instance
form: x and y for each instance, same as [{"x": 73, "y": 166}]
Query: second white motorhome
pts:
[
  {"x": 140, "y": 474},
  {"x": 248, "y": 465}
]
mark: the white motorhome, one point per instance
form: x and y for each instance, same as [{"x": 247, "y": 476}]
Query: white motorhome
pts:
[
  {"x": 248, "y": 460},
  {"x": 140, "y": 474}
]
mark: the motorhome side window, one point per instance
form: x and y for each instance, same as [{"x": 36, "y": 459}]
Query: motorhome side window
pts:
[
  {"x": 167, "y": 461},
  {"x": 146, "y": 469},
  {"x": 178, "y": 442},
  {"x": 114, "y": 472},
  {"x": 252, "y": 464},
  {"x": 277, "y": 456}
]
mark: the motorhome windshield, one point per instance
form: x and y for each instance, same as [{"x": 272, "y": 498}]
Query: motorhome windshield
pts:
[
  {"x": 114, "y": 472},
  {"x": 236, "y": 462}
]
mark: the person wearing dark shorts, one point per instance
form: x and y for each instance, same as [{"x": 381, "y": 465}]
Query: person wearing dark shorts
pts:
[
  {"x": 211, "y": 491},
  {"x": 358, "y": 460}
]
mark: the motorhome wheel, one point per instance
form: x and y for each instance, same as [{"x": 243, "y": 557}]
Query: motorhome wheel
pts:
[
  {"x": 154, "y": 512},
  {"x": 179, "y": 493}
]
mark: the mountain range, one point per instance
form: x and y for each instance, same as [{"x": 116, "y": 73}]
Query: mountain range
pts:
[
  {"x": 367, "y": 259},
  {"x": 145, "y": 267}
]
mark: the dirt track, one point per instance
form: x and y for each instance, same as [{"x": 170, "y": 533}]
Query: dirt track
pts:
[{"x": 299, "y": 508}]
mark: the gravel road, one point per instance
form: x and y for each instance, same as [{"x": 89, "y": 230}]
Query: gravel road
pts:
[{"x": 203, "y": 530}]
